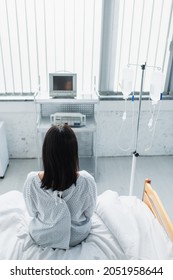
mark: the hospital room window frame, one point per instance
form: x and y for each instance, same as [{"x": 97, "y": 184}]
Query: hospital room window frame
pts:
[
  {"x": 110, "y": 78},
  {"x": 25, "y": 63},
  {"x": 105, "y": 71}
]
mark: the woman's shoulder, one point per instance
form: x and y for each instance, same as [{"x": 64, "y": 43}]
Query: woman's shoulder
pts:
[
  {"x": 32, "y": 182},
  {"x": 32, "y": 175},
  {"x": 87, "y": 183},
  {"x": 85, "y": 174}
]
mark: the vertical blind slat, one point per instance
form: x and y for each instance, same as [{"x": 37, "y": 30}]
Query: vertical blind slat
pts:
[
  {"x": 3, "y": 68},
  {"x": 111, "y": 45},
  {"x": 54, "y": 22},
  {"x": 158, "y": 36},
  {"x": 9, "y": 42},
  {"x": 45, "y": 37},
  {"x": 74, "y": 44},
  {"x": 139, "y": 43},
  {"x": 167, "y": 36},
  {"x": 83, "y": 54},
  {"x": 19, "y": 49},
  {"x": 151, "y": 22},
  {"x": 121, "y": 41},
  {"x": 28, "y": 52},
  {"x": 92, "y": 56},
  {"x": 131, "y": 31},
  {"x": 64, "y": 36},
  {"x": 36, "y": 43}
]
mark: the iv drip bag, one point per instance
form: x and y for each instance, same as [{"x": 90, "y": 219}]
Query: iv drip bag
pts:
[
  {"x": 156, "y": 87},
  {"x": 127, "y": 79}
]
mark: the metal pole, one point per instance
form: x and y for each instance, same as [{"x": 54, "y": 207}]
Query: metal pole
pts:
[{"x": 135, "y": 154}]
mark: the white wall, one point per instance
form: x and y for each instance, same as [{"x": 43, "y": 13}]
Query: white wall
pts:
[
  {"x": 111, "y": 127},
  {"x": 20, "y": 123}
]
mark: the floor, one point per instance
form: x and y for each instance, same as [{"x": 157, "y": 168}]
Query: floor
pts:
[{"x": 113, "y": 173}]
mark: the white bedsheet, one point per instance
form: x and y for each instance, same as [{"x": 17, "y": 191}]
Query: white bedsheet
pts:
[{"x": 122, "y": 228}]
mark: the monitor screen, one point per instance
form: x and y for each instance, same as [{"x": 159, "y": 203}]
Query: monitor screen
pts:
[{"x": 62, "y": 84}]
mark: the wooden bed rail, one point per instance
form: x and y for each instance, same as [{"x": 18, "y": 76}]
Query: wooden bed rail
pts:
[{"x": 152, "y": 200}]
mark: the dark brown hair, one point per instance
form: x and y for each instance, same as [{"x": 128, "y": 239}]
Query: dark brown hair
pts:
[{"x": 60, "y": 158}]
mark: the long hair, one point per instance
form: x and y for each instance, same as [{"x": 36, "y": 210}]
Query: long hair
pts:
[{"x": 60, "y": 158}]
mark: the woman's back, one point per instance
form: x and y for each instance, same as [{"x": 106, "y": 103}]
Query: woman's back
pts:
[{"x": 60, "y": 219}]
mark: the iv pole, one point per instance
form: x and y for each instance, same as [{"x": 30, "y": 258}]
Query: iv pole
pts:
[{"x": 135, "y": 153}]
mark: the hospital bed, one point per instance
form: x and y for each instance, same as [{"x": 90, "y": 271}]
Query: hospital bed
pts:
[{"x": 123, "y": 227}]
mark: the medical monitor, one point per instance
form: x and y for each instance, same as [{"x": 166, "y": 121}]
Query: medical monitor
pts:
[{"x": 62, "y": 85}]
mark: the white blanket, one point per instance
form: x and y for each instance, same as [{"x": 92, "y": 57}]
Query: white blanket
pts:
[{"x": 122, "y": 228}]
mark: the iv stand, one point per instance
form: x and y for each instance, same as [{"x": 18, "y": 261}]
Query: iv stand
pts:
[{"x": 135, "y": 153}]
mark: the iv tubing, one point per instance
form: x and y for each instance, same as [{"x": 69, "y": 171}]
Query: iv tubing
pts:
[
  {"x": 153, "y": 129},
  {"x": 120, "y": 131},
  {"x": 140, "y": 99}
]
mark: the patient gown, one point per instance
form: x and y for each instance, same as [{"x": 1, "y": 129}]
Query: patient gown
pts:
[{"x": 60, "y": 219}]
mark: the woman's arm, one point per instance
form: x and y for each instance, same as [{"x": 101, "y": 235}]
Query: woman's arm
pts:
[
  {"x": 91, "y": 199},
  {"x": 28, "y": 194}
]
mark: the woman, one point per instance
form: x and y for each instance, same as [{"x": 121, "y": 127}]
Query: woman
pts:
[{"x": 61, "y": 199}]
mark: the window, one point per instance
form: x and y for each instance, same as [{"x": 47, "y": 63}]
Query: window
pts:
[
  {"x": 141, "y": 32},
  {"x": 42, "y": 36},
  {"x": 94, "y": 38}
]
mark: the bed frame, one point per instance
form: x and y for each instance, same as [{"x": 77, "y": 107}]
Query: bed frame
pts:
[{"x": 152, "y": 200}]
